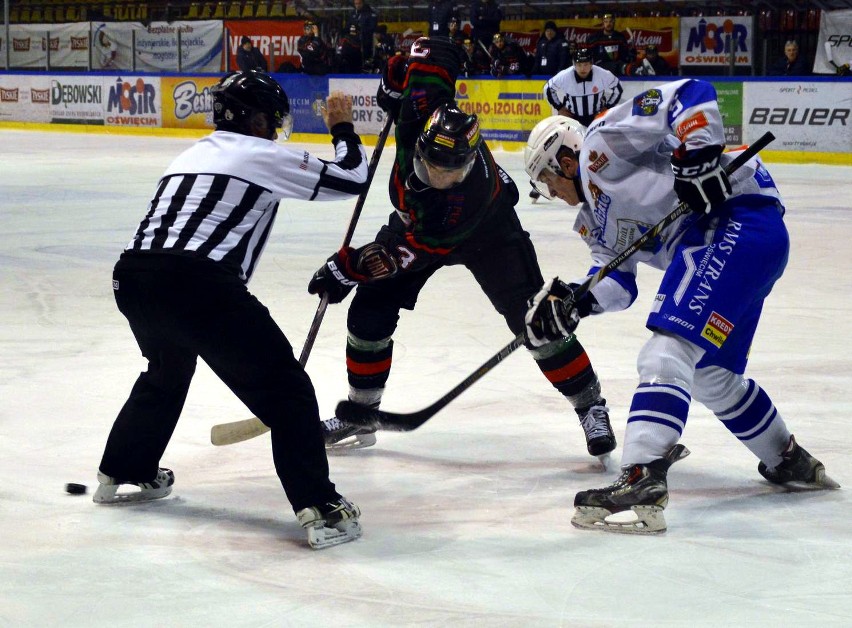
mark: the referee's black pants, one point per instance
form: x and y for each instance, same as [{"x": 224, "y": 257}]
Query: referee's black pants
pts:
[{"x": 180, "y": 308}]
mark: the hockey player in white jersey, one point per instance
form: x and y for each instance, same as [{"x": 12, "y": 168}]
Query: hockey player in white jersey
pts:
[{"x": 720, "y": 260}]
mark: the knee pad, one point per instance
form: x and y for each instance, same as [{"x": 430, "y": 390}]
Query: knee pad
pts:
[{"x": 668, "y": 359}]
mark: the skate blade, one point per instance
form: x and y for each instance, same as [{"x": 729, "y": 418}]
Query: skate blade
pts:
[
  {"x": 109, "y": 495},
  {"x": 321, "y": 537},
  {"x": 637, "y": 520},
  {"x": 821, "y": 483},
  {"x": 605, "y": 460},
  {"x": 358, "y": 441}
]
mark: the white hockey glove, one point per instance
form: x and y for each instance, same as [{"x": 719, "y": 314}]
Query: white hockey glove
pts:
[
  {"x": 552, "y": 314},
  {"x": 700, "y": 181}
]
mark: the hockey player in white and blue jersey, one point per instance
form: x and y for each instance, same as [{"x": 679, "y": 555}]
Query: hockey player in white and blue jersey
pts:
[{"x": 720, "y": 260}]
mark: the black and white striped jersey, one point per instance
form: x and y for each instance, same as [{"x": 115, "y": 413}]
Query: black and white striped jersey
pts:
[
  {"x": 219, "y": 198},
  {"x": 583, "y": 98}
]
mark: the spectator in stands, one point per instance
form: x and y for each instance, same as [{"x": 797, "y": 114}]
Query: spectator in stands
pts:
[
  {"x": 475, "y": 59},
  {"x": 313, "y": 51},
  {"x": 250, "y": 58},
  {"x": 791, "y": 64},
  {"x": 455, "y": 32},
  {"x": 349, "y": 58},
  {"x": 485, "y": 18},
  {"x": 508, "y": 58},
  {"x": 365, "y": 19},
  {"x": 440, "y": 12},
  {"x": 652, "y": 64},
  {"x": 551, "y": 52},
  {"x": 609, "y": 47},
  {"x": 383, "y": 49}
]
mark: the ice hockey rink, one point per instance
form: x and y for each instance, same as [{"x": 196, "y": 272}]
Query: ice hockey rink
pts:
[{"x": 467, "y": 519}]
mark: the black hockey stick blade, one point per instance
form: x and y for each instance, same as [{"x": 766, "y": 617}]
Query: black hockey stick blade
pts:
[
  {"x": 405, "y": 422},
  {"x": 357, "y": 414}
]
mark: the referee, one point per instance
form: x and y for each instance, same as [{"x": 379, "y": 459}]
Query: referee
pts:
[
  {"x": 583, "y": 90},
  {"x": 181, "y": 284}
]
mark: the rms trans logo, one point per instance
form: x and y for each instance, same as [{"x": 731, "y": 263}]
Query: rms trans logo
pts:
[{"x": 132, "y": 104}]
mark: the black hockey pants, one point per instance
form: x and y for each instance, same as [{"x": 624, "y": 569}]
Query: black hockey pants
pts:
[{"x": 180, "y": 308}]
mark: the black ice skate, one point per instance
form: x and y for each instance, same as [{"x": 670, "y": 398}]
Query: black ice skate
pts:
[
  {"x": 634, "y": 503},
  {"x": 340, "y": 435},
  {"x": 798, "y": 470},
  {"x": 600, "y": 439},
  {"x": 331, "y": 524},
  {"x": 534, "y": 196},
  {"x": 107, "y": 491}
]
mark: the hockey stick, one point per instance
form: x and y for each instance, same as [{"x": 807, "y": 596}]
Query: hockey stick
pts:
[
  {"x": 405, "y": 422},
  {"x": 238, "y": 431}
]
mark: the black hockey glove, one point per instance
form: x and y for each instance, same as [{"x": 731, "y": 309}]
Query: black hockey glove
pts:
[
  {"x": 552, "y": 313},
  {"x": 349, "y": 267},
  {"x": 700, "y": 181},
  {"x": 391, "y": 85}
]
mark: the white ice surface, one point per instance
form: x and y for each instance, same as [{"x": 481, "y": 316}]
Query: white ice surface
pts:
[{"x": 466, "y": 519}]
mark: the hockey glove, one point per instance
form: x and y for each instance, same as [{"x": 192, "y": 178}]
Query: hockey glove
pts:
[
  {"x": 552, "y": 314},
  {"x": 392, "y": 84},
  {"x": 349, "y": 267},
  {"x": 700, "y": 181}
]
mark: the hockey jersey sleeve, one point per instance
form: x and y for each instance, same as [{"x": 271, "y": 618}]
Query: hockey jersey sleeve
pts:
[
  {"x": 618, "y": 290},
  {"x": 612, "y": 92},
  {"x": 430, "y": 81}
]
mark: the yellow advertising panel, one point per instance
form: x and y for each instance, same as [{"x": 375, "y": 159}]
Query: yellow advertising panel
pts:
[
  {"x": 187, "y": 102},
  {"x": 507, "y": 109}
]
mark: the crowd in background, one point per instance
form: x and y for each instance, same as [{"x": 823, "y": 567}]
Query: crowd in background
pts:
[{"x": 363, "y": 45}]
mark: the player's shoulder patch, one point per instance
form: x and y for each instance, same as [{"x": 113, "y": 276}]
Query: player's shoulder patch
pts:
[{"x": 647, "y": 103}]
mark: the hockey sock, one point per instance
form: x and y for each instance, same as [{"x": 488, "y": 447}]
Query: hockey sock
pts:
[
  {"x": 657, "y": 417},
  {"x": 567, "y": 367},
  {"x": 368, "y": 363},
  {"x": 755, "y": 421}
]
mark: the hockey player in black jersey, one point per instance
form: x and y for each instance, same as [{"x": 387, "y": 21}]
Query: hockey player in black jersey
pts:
[
  {"x": 181, "y": 284},
  {"x": 454, "y": 206}
]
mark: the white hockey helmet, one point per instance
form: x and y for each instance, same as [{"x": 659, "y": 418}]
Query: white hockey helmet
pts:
[{"x": 543, "y": 145}]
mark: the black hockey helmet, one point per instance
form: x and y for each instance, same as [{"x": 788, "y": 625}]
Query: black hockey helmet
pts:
[
  {"x": 446, "y": 148},
  {"x": 239, "y": 96},
  {"x": 583, "y": 55}
]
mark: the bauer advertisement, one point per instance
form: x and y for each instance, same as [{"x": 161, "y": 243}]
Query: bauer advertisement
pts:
[{"x": 803, "y": 116}]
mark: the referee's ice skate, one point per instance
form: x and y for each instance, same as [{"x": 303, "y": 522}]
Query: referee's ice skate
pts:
[
  {"x": 331, "y": 524},
  {"x": 634, "y": 503},
  {"x": 156, "y": 488}
]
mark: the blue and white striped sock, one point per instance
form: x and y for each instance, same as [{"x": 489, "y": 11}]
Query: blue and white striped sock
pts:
[{"x": 655, "y": 423}]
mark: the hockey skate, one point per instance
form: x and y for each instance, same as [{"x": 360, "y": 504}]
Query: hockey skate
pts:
[
  {"x": 634, "y": 503},
  {"x": 331, "y": 524},
  {"x": 340, "y": 435},
  {"x": 600, "y": 439},
  {"x": 107, "y": 491},
  {"x": 798, "y": 470},
  {"x": 534, "y": 196}
]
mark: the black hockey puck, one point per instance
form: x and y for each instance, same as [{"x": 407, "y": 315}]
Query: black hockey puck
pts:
[{"x": 75, "y": 489}]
